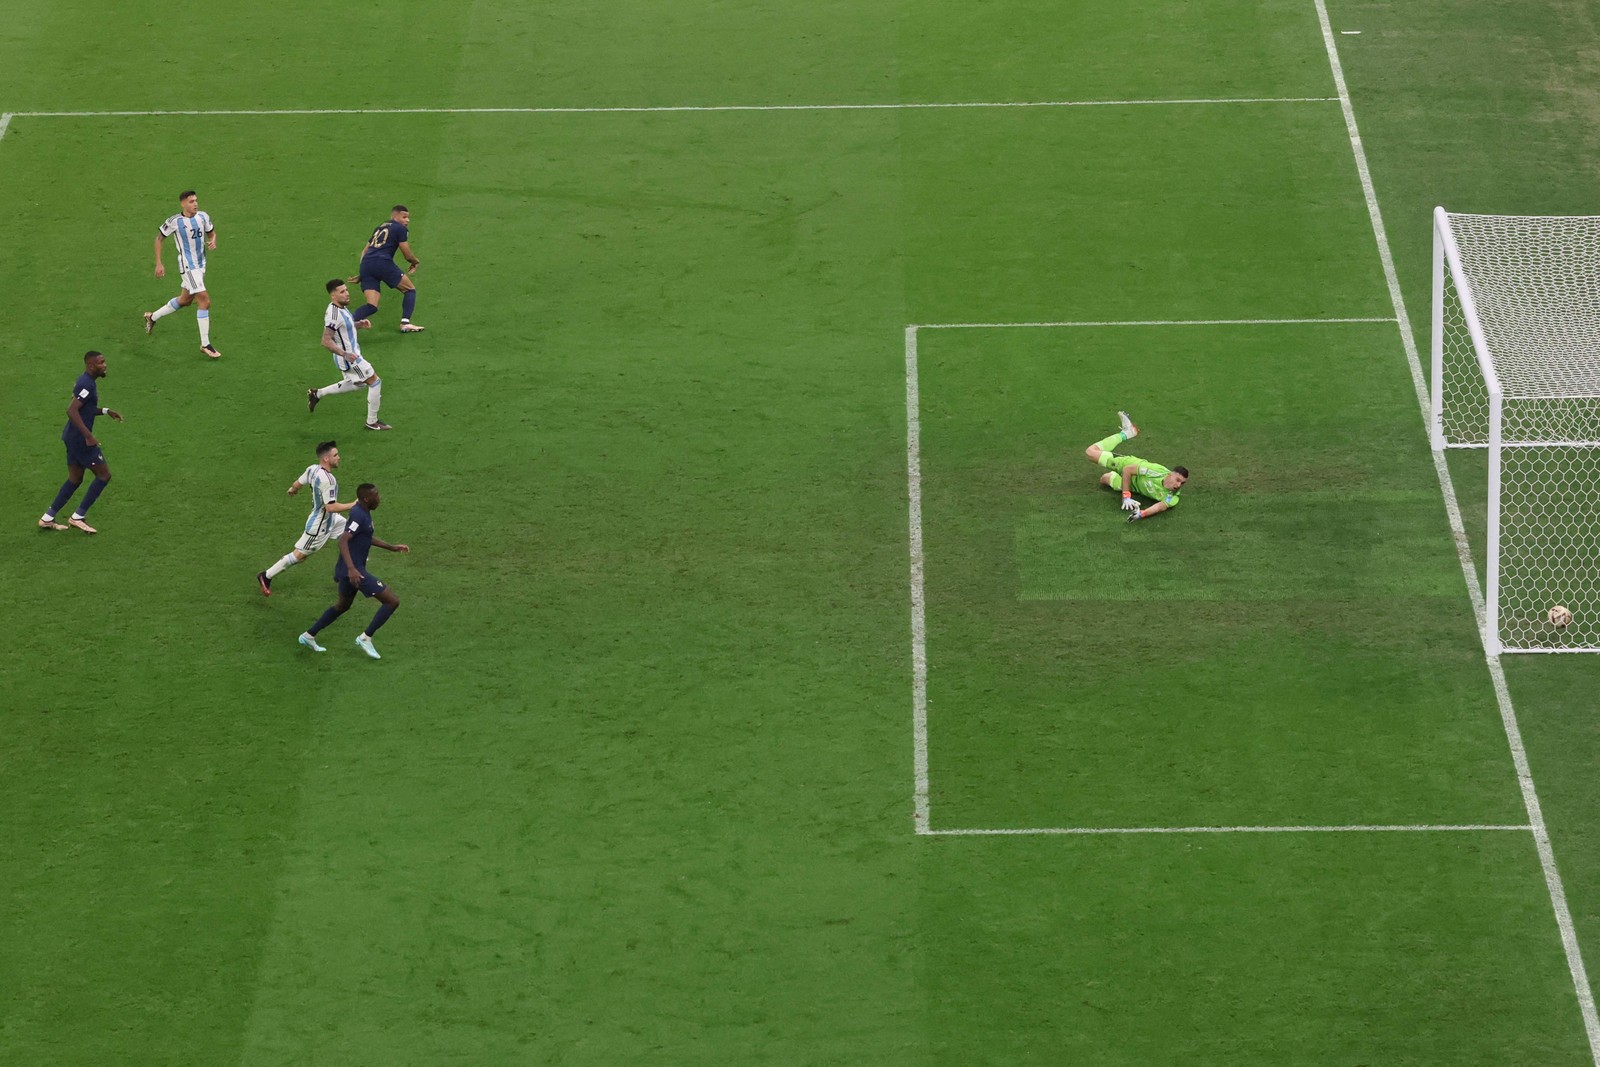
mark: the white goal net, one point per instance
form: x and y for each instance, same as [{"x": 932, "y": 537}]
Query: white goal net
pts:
[{"x": 1516, "y": 371}]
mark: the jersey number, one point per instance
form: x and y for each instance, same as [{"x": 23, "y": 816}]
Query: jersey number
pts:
[{"x": 380, "y": 237}]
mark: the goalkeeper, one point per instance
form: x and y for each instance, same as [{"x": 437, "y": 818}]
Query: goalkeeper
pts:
[{"x": 1133, "y": 475}]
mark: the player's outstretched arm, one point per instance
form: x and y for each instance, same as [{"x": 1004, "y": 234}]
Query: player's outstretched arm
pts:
[
  {"x": 1128, "y": 503},
  {"x": 114, "y": 416},
  {"x": 1144, "y": 513},
  {"x": 334, "y": 507},
  {"x": 391, "y": 548}
]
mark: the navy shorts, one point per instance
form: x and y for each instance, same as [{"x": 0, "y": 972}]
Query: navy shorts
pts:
[
  {"x": 374, "y": 271},
  {"x": 82, "y": 455},
  {"x": 370, "y": 586}
]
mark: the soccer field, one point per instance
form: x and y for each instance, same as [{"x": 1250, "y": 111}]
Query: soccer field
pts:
[{"x": 773, "y": 684}]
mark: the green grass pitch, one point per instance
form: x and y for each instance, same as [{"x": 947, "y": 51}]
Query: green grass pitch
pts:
[{"x": 635, "y": 781}]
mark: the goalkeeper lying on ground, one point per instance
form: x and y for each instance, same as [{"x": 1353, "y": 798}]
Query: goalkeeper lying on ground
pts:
[{"x": 1134, "y": 475}]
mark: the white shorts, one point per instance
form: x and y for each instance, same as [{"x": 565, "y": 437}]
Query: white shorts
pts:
[
  {"x": 310, "y": 542},
  {"x": 193, "y": 281},
  {"x": 360, "y": 371}
]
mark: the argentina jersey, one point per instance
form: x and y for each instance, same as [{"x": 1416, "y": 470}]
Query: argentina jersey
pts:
[
  {"x": 343, "y": 325},
  {"x": 189, "y": 234},
  {"x": 324, "y": 491}
]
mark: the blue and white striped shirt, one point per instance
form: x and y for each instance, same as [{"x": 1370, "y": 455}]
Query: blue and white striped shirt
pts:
[
  {"x": 190, "y": 234},
  {"x": 324, "y": 491},
  {"x": 343, "y": 325}
]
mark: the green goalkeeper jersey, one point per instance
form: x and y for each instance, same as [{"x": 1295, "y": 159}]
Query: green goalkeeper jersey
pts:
[{"x": 1146, "y": 480}]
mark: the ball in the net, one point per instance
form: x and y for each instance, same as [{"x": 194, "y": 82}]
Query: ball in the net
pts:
[{"x": 1560, "y": 616}]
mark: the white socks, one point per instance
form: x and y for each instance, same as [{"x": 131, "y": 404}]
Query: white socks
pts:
[
  {"x": 282, "y": 565},
  {"x": 374, "y": 398}
]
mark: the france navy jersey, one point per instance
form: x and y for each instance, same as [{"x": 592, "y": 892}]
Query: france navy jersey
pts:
[
  {"x": 83, "y": 389},
  {"x": 385, "y": 242},
  {"x": 343, "y": 325},
  {"x": 359, "y": 527},
  {"x": 190, "y": 237}
]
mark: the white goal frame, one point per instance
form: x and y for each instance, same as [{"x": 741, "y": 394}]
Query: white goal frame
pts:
[{"x": 1516, "y": 372}]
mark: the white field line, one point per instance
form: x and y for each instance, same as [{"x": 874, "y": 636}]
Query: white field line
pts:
[
  {"x": 1508, "y": 715},
  {"x": 1082, "y": 831},
  {"x": 1137, "y": 322},
  {"x": 681, "y": 108},
  {"x": 5, "y": 122},
  {"x": 919, "y": 621}
]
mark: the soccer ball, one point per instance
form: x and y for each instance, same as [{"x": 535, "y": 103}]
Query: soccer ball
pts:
[{"x": 1560, "y": 616}]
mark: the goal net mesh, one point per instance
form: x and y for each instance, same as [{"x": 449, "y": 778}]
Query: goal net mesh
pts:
[{"x": 1534, "y": 284}]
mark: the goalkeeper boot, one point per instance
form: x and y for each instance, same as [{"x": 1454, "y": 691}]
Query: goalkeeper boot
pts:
[{"x": 1129, "y": 430}]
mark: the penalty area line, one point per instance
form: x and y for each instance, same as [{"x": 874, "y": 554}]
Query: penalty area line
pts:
[
  {"x": 919, "y": 612},
  {"x": 669, "y": 108},
  {"x": 5, "y": 123},
  {"x": 1144, "y": 322},
  {"x": 1092, "y": 831},
  {"x": 921, "y": 791}
]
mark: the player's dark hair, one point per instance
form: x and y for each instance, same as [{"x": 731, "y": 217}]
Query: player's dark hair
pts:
[
  {"x": 1181, "y": 470},
  {"x": 398, "y": 207},
  {"x": 334, "y": 283},
  {"x": 325, "y": 447},
  {"x": 361, "y": 489},
  {"x": 87, "y": 356},
  {"x": 186, "y": 194}
]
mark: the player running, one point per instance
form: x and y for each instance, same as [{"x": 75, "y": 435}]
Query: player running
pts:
[
  {"x": 83, "y": 447},
  {"x": 327, "y": 519},
  {"x": 1134, "y": 475},
  {"x": 379, "y": 268},
  {"x": 193, "y": 232},
  {"x": 339, "y": 337},
  {"x": 350, "y": 574}
]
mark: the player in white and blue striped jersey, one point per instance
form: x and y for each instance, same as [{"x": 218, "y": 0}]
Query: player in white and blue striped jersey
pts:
[
  {"x": 194, "y": 234},
  {"x": 339, "y": 337},
  {"x": 327, "y": 518}
]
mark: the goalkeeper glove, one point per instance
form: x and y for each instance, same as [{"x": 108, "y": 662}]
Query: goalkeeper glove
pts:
[
  {"x": 1138, "y": 513},
  {"x": 1128, "y": 503}
]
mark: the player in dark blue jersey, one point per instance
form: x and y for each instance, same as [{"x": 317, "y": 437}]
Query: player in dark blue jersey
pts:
[
  {"x": 350, "y": 574},
  {"x": 379, "y": 268},
  {"x": 83, "y": 447}
]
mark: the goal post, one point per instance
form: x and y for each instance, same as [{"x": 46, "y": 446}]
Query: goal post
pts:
[{"x": 1516, "y": 372}]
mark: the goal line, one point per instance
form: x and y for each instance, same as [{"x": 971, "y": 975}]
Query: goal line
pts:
[{"x": 1554, "y": 886}]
